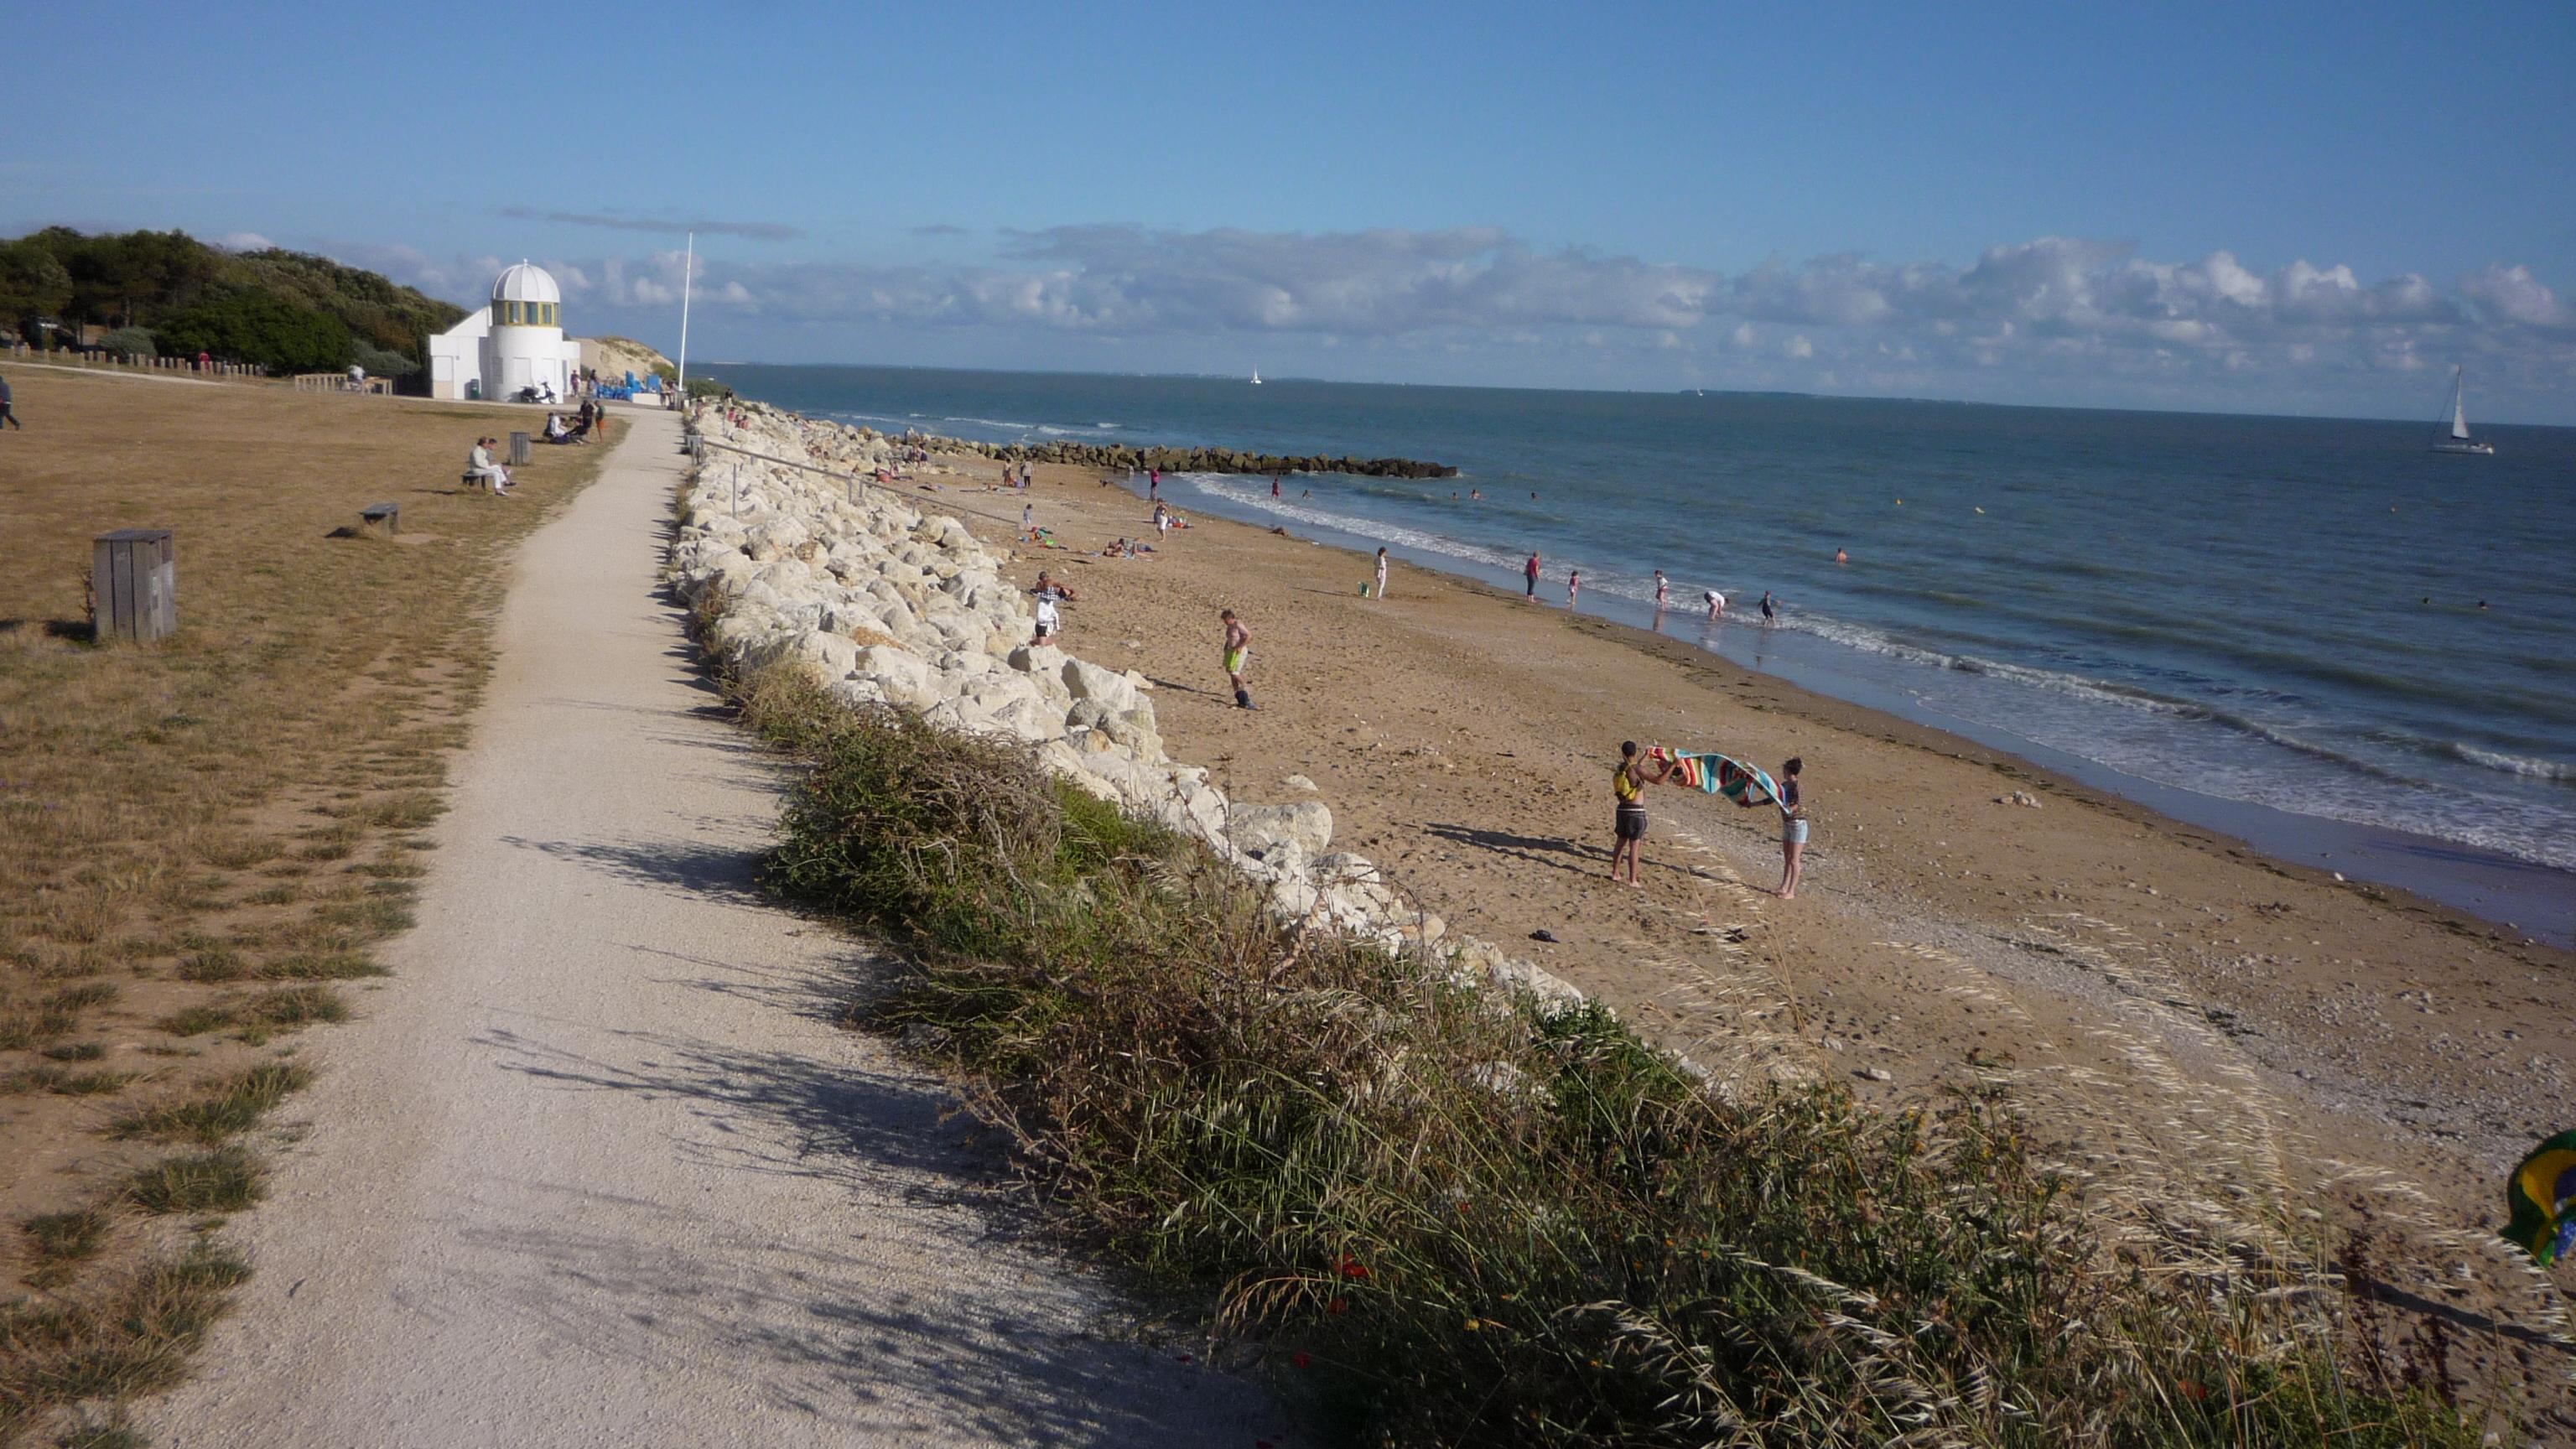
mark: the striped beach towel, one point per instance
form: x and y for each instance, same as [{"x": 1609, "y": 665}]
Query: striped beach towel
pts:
[{"x": 1720, "y": 775}]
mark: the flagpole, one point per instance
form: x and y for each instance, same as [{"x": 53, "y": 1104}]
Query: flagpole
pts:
[{"x": 688, "y": 274}]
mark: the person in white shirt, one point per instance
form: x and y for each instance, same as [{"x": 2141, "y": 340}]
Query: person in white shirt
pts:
[
  {"x": 1381, "y": 573},
  {"x": 479, "y": 464},
  {"x": 1716, "y": 603}
]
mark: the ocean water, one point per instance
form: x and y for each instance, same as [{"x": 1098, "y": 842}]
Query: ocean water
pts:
[{"x": 2279, "y": 614}]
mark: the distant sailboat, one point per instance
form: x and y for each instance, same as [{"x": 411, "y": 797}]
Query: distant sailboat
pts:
[
  {"x": 2459, "y": 440},
  {"x": 1256, "y": 377}
]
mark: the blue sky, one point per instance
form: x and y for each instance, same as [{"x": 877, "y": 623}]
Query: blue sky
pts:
[{"x": 2307, "y": 208}]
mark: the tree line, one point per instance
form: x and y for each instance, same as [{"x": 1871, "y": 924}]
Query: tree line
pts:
[{"x": 167, "y": 293}]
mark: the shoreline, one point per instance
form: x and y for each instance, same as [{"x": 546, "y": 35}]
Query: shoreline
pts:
[{"x": 2486, "y": 891}]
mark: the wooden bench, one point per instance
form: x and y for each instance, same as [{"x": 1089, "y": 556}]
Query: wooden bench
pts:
[{"x": 381, "y": 517}]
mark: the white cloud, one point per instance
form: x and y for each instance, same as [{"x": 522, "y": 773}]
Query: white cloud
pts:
[
  {"x": 244, "y": 241},
  {"x": 2029, "y": 318},
  {"x": 2512, "y": 294}
]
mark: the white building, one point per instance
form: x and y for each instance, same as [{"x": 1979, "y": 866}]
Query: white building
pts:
[{"x": 517, "y": 342}]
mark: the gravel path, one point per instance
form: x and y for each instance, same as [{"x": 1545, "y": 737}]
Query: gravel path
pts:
[{"x": 596, "y": 1167}]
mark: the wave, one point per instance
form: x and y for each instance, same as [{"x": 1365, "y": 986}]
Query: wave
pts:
[{"x": 2559, "y": 771}]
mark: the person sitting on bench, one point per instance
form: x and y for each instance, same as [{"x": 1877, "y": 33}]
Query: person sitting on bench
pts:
[{"x": 479, "y": 466}]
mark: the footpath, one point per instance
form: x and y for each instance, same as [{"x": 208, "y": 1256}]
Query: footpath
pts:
[{"x": 596, "y": 1166}]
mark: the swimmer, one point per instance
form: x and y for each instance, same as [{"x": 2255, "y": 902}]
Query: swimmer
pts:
[
  {"x": 1841, "y": 557},
  {"x": 1475, "y": 493},
  {"x": 1768, "y": 614}
]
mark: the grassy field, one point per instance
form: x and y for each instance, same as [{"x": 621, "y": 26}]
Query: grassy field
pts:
[{"x": 201, "y": 840}]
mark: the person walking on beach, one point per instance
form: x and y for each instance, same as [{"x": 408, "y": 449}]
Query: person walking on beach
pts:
[
  {"x": 8, "y": 407},
  {"x": 1628, "y": 782},
  {"x": 1237, "y": 656},
  {"x": 1793, "y": 829},
  {"x": 1530, "y": 570},
  {"x": 1662, "y": 588},
  {"x": 1769, "y": 615},
  {"x": 1274, "y": 485},
  {"x": 1153, "y": 485},
  {"x": 1381, "y": 573},
  {"x": 1573, "y": 585},
  {"x": 1028, "y": 518}
]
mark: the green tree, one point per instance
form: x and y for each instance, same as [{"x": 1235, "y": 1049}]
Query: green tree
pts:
[
  {"x": 254, "y": 327},
  {"x": 33, "y": 284}
]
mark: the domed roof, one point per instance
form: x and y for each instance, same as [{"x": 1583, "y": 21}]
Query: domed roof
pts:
[{"x": 525, "y": 283}]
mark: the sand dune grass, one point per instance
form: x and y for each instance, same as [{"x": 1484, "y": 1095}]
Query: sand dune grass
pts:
[{"x": 198, "y": 838}]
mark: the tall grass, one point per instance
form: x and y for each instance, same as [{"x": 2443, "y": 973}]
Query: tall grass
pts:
[{"x": 1452, "y": 1217}]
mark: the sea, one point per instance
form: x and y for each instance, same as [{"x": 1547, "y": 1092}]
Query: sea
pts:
[{"x": 2315, "y": 634}]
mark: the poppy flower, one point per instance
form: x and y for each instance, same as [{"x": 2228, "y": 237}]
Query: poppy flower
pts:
[
  {"x": 1302, "y": 1359},
  {"x": 1337, "y": 1306}
]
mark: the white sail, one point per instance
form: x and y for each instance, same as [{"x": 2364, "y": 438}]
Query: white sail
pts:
[{"x": 2459, "y": 416}]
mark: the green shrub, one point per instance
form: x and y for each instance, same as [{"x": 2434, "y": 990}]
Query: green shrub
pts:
[
  {"x": 381, "y": 362},
  {"x": 1457, "y": 1218},
  {"x": 131, "y": 342}
]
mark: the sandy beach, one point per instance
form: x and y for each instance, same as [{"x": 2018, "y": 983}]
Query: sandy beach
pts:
[{"x": 2180, "y": 1015}]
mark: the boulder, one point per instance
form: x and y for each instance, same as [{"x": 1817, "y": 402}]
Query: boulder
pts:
[
  {"x": 1255, "y": 828},
  {"x": 829, "y": 656},
  {"x": 1089, "y": 681}
]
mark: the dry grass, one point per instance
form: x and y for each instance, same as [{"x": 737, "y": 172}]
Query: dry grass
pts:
[{"x": 197, "y": 837}]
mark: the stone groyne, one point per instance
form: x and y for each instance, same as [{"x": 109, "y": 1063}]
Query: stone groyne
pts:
[
  {"x": 882, "y": 602},
  {"x": 1192, "y": 460}
]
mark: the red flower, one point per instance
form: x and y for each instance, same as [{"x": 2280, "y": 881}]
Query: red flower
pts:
[
  {"x": 2192, "y": 1390},
  {"x": 1302, "y": 1359},
  {"x": 1337, "y": 1306}
]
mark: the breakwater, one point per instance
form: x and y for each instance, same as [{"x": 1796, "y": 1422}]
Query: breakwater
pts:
[
  {"x": 881, "y": 602},
  {"x": 1191, "y": 460}
]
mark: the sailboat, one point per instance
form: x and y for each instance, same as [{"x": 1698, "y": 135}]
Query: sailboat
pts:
[
  {"x": 2459, "y": 440},
  {"x": 1256, "y": 377}
]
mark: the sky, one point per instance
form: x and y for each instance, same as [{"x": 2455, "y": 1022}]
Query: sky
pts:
[{"x": 2232, "y": 207}]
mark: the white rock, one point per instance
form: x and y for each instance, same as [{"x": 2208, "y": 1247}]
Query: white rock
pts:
[
  {"x": 1090, "y": 681},
  {"x": 1308, "y": 823}
]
